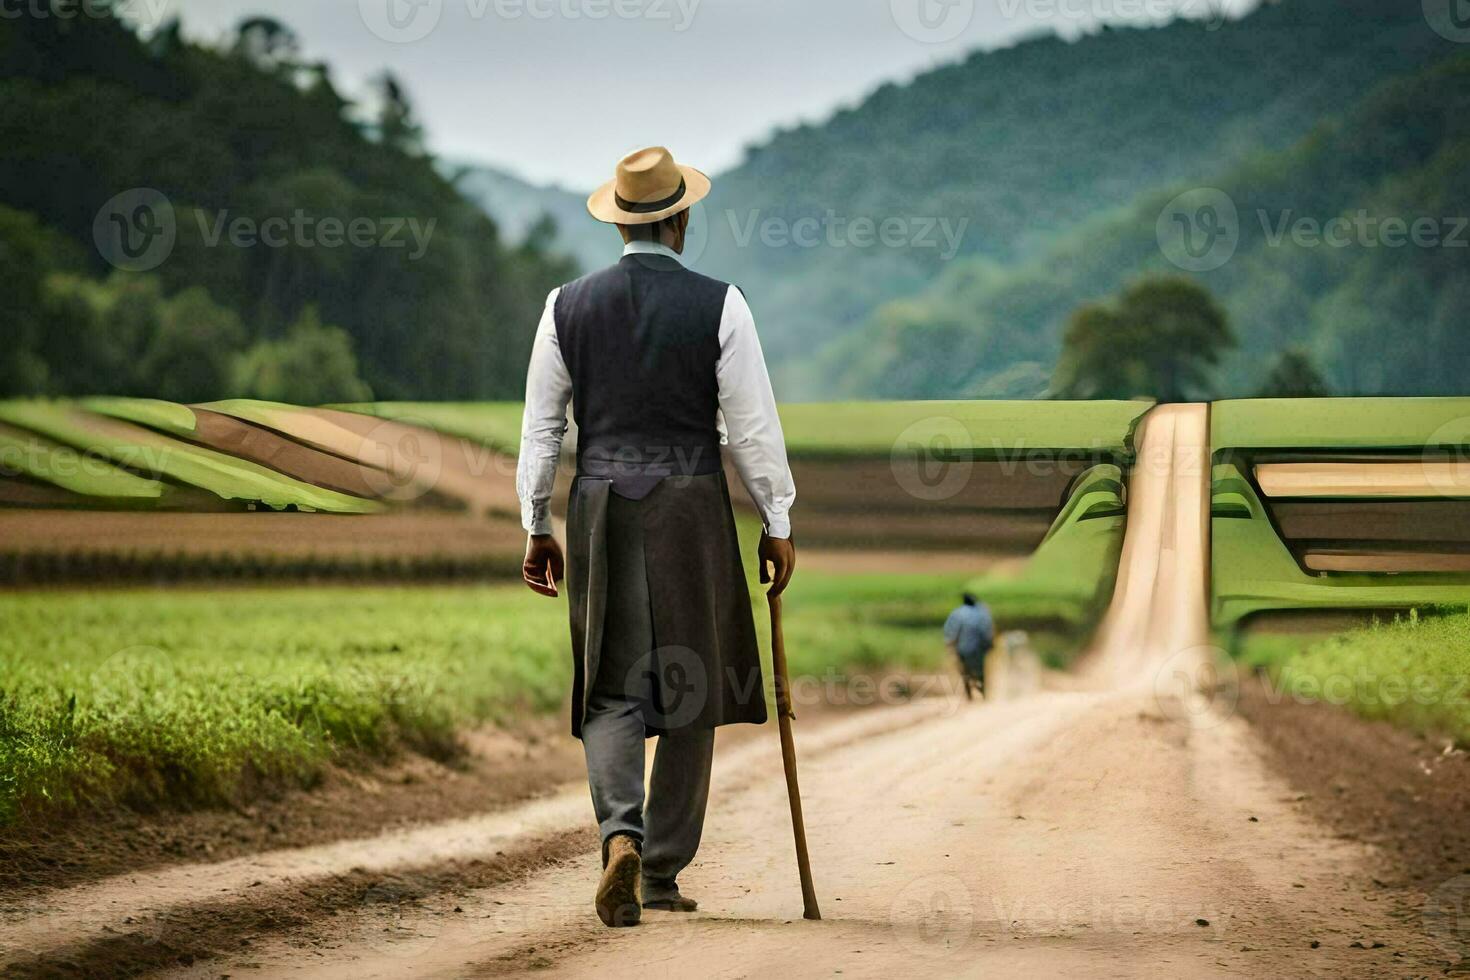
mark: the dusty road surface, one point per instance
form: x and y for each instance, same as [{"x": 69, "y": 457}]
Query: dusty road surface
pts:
[{"x": 1126, "y": 825}]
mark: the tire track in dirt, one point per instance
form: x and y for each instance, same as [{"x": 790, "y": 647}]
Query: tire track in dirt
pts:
[{"x": 139, "y": 922}]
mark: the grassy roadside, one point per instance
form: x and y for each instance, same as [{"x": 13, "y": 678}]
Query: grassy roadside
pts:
[
  {"x": 1413, "y": 671},
  {"x": 194, "y": 698},
  {"x": 187, "y": 698}
]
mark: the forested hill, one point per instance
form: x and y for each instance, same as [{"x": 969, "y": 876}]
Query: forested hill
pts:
[
  {"x": 360, "y": 266},
  {"x": 523, "y": 209},
  {"x": 1352, "y": 246},
  {"x": 1022, "y": 146}
]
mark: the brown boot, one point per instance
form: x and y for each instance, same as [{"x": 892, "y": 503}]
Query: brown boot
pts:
[
  {"x": 664, "y": 896},
  {"x": 620, "y": 893}
]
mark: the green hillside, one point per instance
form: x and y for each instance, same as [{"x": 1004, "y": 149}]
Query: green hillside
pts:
[
  {"x": 390, "y": 283},
  {"x": 1380, "y": 314},
  {"x": 1020, "y": 148}
]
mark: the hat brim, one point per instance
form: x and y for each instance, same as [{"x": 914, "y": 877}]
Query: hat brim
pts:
[{"x": 603, "y": 202}]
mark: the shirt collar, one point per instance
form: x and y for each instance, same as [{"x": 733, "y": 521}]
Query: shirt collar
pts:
[{"x": 651, "y": 248}]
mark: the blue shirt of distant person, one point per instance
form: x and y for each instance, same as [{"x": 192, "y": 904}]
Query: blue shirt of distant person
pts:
[{"x": 970, "y": 630}]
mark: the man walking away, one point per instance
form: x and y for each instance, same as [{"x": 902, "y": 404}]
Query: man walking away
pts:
[
  {"x": 969, "y": 632},
  {"x": 662, "y": 366}
]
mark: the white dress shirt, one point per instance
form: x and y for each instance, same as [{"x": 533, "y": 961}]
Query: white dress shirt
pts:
[{"x": 747, "y": 420}]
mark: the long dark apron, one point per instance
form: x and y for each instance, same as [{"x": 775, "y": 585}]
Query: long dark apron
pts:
[{"x": 705, "y": 661}]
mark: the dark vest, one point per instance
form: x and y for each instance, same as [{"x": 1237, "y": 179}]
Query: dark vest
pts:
[{"x": 641, "y": 341}]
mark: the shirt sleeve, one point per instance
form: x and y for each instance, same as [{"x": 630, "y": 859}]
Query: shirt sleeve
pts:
[
  {"x": 752, "y": 427},
  {"x": 952, "y": 627},
  {"x": 544, "y": 424}
]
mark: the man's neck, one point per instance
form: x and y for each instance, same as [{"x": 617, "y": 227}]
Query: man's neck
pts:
[{"x": 651, "y": 248}]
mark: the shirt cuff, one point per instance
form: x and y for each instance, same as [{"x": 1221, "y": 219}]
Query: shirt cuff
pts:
[
  {"x": 779, "y": 527},
  {"x": 536, "y": 519}
]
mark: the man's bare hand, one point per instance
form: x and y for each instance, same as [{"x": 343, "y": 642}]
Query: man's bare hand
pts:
[
  {"x": 780, "y": 553},
  {"x": 544, "y": 565}
]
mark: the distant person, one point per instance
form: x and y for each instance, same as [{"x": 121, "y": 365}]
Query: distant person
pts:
[
  {"x": 662, "y": 366},
  {"x": 969, "y": 632}
]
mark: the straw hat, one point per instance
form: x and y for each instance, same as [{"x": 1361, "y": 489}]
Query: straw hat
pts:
[{"x": 649, "y": 187}]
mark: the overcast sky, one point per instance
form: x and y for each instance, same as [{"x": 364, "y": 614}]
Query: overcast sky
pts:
[{"x": 557, "y": 90}]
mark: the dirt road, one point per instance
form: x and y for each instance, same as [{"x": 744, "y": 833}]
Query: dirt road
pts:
[{"x": 1124, "y": 826}]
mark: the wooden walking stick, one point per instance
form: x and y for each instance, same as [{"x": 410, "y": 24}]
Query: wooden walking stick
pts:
[{"x": 784, "y": 716}]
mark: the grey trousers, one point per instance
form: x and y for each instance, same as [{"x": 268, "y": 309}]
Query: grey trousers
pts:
[{"x": 669, "y": 824}]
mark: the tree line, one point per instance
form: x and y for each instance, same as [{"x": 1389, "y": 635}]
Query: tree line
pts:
[{"x": 314, "y": 301}]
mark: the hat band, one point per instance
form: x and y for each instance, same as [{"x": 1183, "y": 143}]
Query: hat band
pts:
[{"x": 645, "y": 208}]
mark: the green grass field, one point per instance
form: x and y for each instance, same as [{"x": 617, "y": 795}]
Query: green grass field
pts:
[
  {"x": 185, "y": 697},
  {"x": 192, "y": 698},
  {"x": 30, "y": 455},
  {"x": 1413, "y": 671},
  {"x": 493, "y": 424},
  {"x": 972, "y": 429},
  {"x": 1343, "y": 424},
  {"x": 66, "y": 425},
  {"x": 981, "y": 429}
]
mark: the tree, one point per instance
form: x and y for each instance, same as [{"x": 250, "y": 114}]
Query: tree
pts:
[
  {"x": 1293, "y": 375},
  {"x": 124, "y": 336},
  {"x": 190, "y": 354},
  {"x": 29, "y": 253},
  {"x": 237, "y": 136},
  {"x": 397, "y": 125},
  {"x": 312, "y": 365},
  {"x": 1161, "y": 339},
  {"x": 267, "y": 43}
]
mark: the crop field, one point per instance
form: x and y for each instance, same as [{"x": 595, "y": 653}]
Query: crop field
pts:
[
  {"x": 153, "y": 454},
  {"x": 1412, "y": 670},
  {"x": 264, "y": 687},
  {"x": 493, "y": 424},
  {"x": 975, "y": 429},
  {"x": 192, "y": 697},
  {"x": 187, "y": 697}
]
